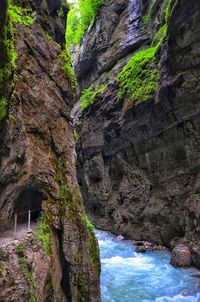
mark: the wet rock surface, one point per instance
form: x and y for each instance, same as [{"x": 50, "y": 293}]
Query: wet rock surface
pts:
[
  {"x": 138, "y": 166},
  {"x": 145, "y": 246},
  {"x": 117, "y": 31}
]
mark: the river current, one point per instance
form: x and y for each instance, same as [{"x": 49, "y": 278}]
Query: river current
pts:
[{"x": 128, "y": 276}]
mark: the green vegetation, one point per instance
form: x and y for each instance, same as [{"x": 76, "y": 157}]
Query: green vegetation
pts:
[
  {"x": 70, "y": 207},
  {"x": 159, "y": 36},
  {"x": 20, "y": 15},
  {"x": 93, "y": 249},
  {"x": 66, "y": 56},
  {"x": 43, "y": 234},
  {"x": 3, "y": 108},
  {"x": 195, "y": 196},
  {"x": 146, "y": 18},
  {"x": 8, "y": 64},
  {"x": 168, "y": 10},
  {"x": 80, "y": 17},
  {"x": 150, "y": 14},
  {"x": 76, "y": 135},
  {"x": 28, "y": 276},
  {"x": 89, "y": 225},
  {"x": 68, "y": 69},
  {"x": 19, "y": 249},
  {"x": 90, "y": 94},
  {"x": 3, "y": 255},
  {"x": 138, "y": 79}
]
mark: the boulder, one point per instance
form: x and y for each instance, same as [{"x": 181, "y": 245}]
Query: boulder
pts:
[{"x": 181, "y": 256}]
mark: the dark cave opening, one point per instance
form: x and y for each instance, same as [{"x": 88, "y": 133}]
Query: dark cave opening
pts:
[{"x": 28, "y": 200}]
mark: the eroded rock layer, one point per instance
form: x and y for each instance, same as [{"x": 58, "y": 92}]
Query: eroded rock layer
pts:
[
  {"x": 37, "y": 166},
  {"x": 138, "y": 166}
]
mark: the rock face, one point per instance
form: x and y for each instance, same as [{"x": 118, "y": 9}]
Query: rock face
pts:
[
  {"x": 118, "y": 30},
  {"x": 37, "y": 160},
  {"x": 138, "y": 166},
  {"x": 25, "y": 266}
]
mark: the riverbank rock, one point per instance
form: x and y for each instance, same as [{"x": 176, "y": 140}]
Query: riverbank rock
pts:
[
  {"x": 195, "y": 252},
  {"x": 181, "y": 256},
  {"x": 145, "y": 246},
  {"x": 120, "y": 237}
]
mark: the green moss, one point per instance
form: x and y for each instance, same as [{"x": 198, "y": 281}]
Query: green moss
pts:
[
  {"x": 150, "y": 14},
  {"x": 145, "y": 19},
  {"x": 68, "y": 69},
  {"x": 82, "y": 286},
  {"x": 168, "y": 10},
  {"x": 28, "y": 276},
  {"x": 14, "y": 15},
  {"x": 138, "y": 79},
  {"x": 43, "y": 233},
  {"x": 159, "y": 36},
  {"x": 20, "y": 15},
  {"x": 89, "y": 225},
  {"x": 195, "y": 196},
  {"x": 76, "y": 135},
  {"x": 9, "y": 63},
  {"x": 93, "y": 246},
  {"x": 33, "y": 299},
  {"x": 94, "y": 251},
  {"x": 19, "y": 249},
  {"x": 90, "y": 94},
  {"x": 70, "y": 207},
  {"x": 3, "y": 108},
  {"x": 66, "y": 56}
]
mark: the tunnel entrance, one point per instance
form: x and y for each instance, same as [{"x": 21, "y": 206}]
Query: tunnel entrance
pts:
[{"x": 28, "y": 200}]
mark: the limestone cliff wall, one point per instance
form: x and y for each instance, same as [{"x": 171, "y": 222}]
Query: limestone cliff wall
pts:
[
  {"x": 37, "y": 154},
  {"x": 138, "y": 166}
]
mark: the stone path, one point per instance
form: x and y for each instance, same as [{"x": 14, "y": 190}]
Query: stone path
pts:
[{"x": 7, "y": 237}]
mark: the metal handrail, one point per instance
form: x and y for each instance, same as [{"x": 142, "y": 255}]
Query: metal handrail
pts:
[
  {"x": 22, "y": 213},
  {"x": 29, "y": 220}
]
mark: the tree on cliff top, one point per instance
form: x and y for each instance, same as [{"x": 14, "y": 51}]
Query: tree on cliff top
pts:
[{"x": 80, "y": 17}]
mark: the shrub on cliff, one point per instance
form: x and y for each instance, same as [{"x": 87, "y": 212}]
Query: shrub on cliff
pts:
[
  {"x": 138, "y": 79},
  {"x": 90, "y": 94}
]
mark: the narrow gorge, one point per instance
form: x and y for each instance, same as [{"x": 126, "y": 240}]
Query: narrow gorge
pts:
[
  {"x": 99, "y": 128},
  {"x": 138, "y": 146}
]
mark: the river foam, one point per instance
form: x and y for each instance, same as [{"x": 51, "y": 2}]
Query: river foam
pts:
[
  {"x": 179, "y": 298},
  {"x": 131, "y": 277}
]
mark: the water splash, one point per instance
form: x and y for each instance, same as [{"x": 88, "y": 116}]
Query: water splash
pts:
[{"x": 131, "y": 277}]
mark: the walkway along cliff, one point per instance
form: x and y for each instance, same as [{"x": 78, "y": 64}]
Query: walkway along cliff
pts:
[
  {"x": 60, "y": 261},
  {"x": 139, "y": 131}
]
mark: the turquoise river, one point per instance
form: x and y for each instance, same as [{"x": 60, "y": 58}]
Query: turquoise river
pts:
[{"x": 128, "y": 276}]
